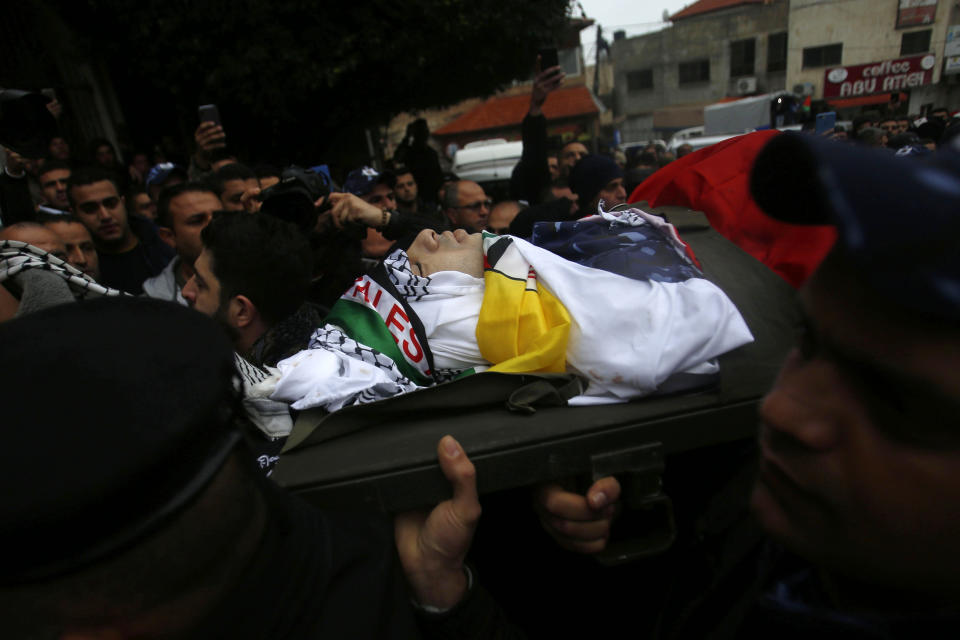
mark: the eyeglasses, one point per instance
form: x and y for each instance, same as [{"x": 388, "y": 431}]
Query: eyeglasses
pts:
[
  {"x": 478, "y": 205},
  {"x": 92, "y": 206}
]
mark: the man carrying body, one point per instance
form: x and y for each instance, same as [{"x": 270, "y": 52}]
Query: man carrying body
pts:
[
  {"x": 859, "y": 435},
  {"x": 128, "y": 247},
  {"x": 182, "y": 213},
  {"x": 253, "y": 276},
  {"x": 164, "y": 528}
]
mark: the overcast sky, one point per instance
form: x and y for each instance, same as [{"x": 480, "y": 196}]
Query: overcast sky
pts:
[{"x": 633, "y": 16}]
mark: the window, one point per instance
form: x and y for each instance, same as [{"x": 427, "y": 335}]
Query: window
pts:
[
  {"x": 777, "y": 51},
  {"x": 639, "y": 80},
  {"x": 915, "y": 42},
  {"x": 742, "y": 55},
  {"x": 824, "y": 56},
  {"x": 695, "y": 71}
]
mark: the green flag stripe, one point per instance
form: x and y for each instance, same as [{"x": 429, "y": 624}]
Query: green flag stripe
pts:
[{"x": 365, "y": 325}]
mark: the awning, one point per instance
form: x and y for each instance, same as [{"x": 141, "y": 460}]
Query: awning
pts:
[
  {"x": 508, "y": 111},
  {"x": 862, "y": 101}
]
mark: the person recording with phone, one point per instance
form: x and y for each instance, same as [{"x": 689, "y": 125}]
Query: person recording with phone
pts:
[{"x": 531, "y": 177}]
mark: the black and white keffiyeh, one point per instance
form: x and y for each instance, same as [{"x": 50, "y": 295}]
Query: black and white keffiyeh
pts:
[{"x": 19, "y": 257}]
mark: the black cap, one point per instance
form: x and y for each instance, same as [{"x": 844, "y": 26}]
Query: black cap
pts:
[
  {"x": 896, "y": 216},
  {"x": 590, "y": 175},
  {"x": 116, "y": 413}
]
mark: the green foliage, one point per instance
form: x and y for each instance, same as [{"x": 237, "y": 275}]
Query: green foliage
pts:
[{"x": 303, "y": 69}]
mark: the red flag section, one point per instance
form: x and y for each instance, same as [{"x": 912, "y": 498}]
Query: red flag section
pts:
[{"x": 716, "y": 181}]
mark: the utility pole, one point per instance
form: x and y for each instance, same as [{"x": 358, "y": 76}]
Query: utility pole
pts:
[{"x": 596, "y": 62}]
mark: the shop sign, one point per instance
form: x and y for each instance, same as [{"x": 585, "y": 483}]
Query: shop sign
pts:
[
  {"x": 913, "y": 13},
  {"x": 952, "y": 46},
  {"x": 879, "y": 77}
]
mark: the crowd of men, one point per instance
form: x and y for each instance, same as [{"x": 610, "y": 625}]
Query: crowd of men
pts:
[{"x": 185, "y": 537}]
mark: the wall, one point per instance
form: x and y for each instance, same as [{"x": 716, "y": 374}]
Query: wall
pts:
[
  {"x": 867, "y": 29},
  {"x": 704, "y": 36}
]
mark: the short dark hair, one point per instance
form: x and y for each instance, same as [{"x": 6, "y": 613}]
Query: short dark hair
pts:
[
  {"x": 260, "y": 257},
  {"x": 89, "y": 175},
  {"x": 53, "y": 164},
  {"x": 861, "y": 120},
  {"x": 45, "y": 218},
  {"x": 233, "y": 171},
  {"x": 171, "y": 192},
  {"x": 266, "y": 171}
]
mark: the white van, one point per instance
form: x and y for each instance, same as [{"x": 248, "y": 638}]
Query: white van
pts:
[{"x": 487, "y": 160}]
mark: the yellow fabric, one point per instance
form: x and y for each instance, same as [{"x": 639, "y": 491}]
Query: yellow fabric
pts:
[{"x": 521, "y": 331}]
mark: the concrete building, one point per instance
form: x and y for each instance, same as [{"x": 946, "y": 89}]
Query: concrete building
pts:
[
  {"x": 857, "y": 54},
  {"x": 714, "y": 49}
]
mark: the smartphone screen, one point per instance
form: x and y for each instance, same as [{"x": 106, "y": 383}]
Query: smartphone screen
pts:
[
  {"x": 548, "y": 58},
  {"x": 826, "y": 122},
  {"x": 209, "y": 113}
]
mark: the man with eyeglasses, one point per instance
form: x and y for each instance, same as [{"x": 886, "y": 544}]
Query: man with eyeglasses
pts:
[
  {"x": 466, "y": 206},
  {"x": 128, "y": 247}
]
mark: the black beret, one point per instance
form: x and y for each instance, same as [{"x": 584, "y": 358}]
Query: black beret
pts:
[
  {"x": 116, "y": 413},
  {"x": 590, "y": 175}
]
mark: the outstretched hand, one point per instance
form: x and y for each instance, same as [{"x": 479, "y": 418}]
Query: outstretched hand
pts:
[
  {"x": 545, "y": 82},
  {"x": 208, "y": 136},
  {"x": 579, "y": 523},
  {"x": 432, "y": 546}
]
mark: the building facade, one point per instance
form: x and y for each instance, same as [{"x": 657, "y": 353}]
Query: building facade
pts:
[
  {"x": 714, "y": 49},
  {"x": 857, "y": 54}
]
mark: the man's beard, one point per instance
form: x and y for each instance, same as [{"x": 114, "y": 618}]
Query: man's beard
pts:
[{"x": 220, "y": 317}]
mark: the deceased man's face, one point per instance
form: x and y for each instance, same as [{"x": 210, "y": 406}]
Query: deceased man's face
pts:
[{"x": 447, "y": 251}]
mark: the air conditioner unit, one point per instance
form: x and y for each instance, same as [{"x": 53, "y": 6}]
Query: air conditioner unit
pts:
[
  {"x": 803, "y": 89},
  {"x": 746, "y": 85}
]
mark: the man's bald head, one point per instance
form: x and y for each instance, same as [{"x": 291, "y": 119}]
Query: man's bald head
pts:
[
  {"x": 467, "y": 206},
  {"x": 36, "y": 234}
]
